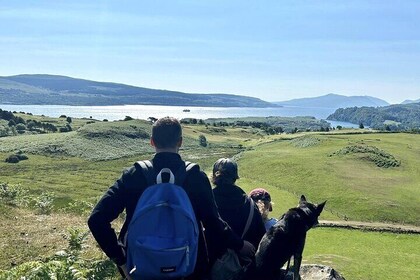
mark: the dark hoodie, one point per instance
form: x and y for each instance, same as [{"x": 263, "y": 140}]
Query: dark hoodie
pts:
[{"x": 233, "y": 205}]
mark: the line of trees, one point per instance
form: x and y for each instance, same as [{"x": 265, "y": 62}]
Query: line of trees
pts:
[{"x": 18, "y": 125}]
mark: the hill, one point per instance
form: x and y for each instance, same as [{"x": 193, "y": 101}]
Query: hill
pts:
[
  {"x": 335, "y": 101},
  {"x": 408, "y": 101},
  {"x": 62, "y": 90},
  {"x": 394, "y": 117}
]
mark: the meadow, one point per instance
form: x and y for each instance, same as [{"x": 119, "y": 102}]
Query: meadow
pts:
[{"x": 78, "y": 166}]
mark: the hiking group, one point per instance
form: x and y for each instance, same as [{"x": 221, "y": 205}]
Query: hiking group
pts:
[{"x": 177, "y": 226}]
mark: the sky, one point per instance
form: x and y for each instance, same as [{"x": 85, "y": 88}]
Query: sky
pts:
[{"x": 273, "y": 50}]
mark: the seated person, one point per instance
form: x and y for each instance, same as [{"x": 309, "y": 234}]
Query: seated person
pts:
[
  {"x": 262, "y": 198},
  {"x": 233, "y": 203}
]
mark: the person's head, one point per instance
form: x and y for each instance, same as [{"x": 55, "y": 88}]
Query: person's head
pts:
[
  {"x": 263, "y": 199},
  {"x": 225, "y": 172},
  {"x": 166, "y": 134}
]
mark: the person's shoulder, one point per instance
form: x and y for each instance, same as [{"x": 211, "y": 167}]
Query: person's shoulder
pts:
[{"x": 195, "y": 173}]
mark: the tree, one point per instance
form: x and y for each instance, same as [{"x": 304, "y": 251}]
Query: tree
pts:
[
  {"x": 20, "y": 127},
  {"x": 202, "y": 140},
  {"x": 12, "y": 123},
  {"x": 31, "y": 125},
  {"x": 69, "y": 120},
  {"x": 361, "y": 126},
  {"x": 339, "y": 127}
]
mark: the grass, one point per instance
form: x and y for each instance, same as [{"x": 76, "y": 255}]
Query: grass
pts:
[
  {"x": 364, "y": 255},
  {"x": 355, "y": 188}
]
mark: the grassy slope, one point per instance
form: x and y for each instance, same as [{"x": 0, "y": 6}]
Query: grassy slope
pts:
[
  {"x": 364, "y": 255},
  {"x": 353, "y": 187}
]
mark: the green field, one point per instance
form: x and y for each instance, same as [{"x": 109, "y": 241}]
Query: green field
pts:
[{"x": 80, "y": 165}]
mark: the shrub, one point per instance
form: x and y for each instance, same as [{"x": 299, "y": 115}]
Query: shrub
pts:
[
  {"x": 13, "y": 195},
  {"x": 20, "y": 127},
  {"x": 12, "y": 159},
  {"x": 44, "y": 203},
  {"x": 128, "y": 118},
  {"x": 12, "y": 123},
  {"x": 371, "y": 153},
  {"x": 202, "y": 140},
  {"x": 66, "y": 264}
]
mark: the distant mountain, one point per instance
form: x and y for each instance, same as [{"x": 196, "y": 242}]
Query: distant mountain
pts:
[
  {"x": 410, "y": 101},
  {"x": 394, "y": 117},
  {"x": 62, "y": 90},
  {"x": 335, "y": 101}
]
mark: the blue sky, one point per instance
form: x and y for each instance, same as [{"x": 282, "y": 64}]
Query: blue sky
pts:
[{"x": 274, "y": 50}]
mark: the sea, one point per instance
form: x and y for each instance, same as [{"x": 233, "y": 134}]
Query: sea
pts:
[{"x": 119, "y": 112}]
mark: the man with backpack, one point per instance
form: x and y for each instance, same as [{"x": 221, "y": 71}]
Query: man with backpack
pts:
[{"x": 157, "y": 215}]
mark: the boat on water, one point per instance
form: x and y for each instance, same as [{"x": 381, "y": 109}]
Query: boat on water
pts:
[{"x": 186, "y": 110}]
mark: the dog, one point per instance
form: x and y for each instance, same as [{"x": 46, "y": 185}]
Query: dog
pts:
[{"x": 284, "y": 240}]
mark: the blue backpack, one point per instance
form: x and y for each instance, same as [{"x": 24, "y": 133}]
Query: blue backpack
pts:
[{"x": 162, "y": 237}]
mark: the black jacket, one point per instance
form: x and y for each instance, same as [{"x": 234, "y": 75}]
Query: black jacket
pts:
[
  {"x": 127, "y": 190},
  {"x": 233, "y": 205}
]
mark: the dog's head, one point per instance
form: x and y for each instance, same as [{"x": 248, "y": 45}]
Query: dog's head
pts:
[{"x": 312, "y": 211}]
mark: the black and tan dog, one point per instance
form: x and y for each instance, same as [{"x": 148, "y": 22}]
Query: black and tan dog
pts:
[{"x": 285, "y": 239}]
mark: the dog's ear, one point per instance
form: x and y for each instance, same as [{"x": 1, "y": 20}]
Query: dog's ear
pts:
[
  {"x": 319, "y": 207},
  {"x": 302, "y": 199}
]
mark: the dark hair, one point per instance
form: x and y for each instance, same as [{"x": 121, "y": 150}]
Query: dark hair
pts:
[
  {"x": 225, "y": 172},
  {"x": 166, "y": 132}
]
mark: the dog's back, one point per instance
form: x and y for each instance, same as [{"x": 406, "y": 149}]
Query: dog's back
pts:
[{"x": 284, "y": 240}]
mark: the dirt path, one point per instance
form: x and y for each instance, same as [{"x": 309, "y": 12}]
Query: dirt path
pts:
[{"x": 381, "y": 227}]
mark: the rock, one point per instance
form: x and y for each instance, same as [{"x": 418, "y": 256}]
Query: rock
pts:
[{"x": 319, "y": 272}]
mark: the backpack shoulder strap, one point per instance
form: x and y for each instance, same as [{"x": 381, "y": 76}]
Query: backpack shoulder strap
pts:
[
  {"x": 147, "y": 168},
  {"x": 183, "y": 172},
  {"x": 250, "y": 217}
]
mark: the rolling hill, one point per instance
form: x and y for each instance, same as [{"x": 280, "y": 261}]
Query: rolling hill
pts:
[
  {"x": 335, "y": 101},
  {"x": 394, "y": 117},
  {"x": 62, "y": 90},
  {"x": 408, "y": 101}
]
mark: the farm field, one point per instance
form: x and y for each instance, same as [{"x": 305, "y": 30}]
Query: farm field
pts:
[{"x": 78, "y": 166}]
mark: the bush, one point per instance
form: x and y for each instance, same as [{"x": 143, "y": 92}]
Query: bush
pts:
[
  {"x": 13, "y": 195},
  {"x": 11, "y": 123},
  {"x": 202, "y": 140},
  {"x": 371, "y": 153},
  {"x": 44, "y": 203},
  {"x": 128, "y": 118},
  {"x": 12, "y": 159},
  {"x": 66, "y": 264},
  {"x": 20, "y": 127}
]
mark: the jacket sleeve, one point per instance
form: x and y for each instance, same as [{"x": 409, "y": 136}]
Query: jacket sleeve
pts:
[
  {"x": 110, "y": 206},
  {"x": 205, "y": 205}
]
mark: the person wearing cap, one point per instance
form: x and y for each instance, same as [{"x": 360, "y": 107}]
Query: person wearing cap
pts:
[
  {"x": 233, "y": 203},
  {"x": 263, "y": 199}
]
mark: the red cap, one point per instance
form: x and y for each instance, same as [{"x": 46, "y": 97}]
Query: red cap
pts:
[{"x": 261, "y": 194}]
